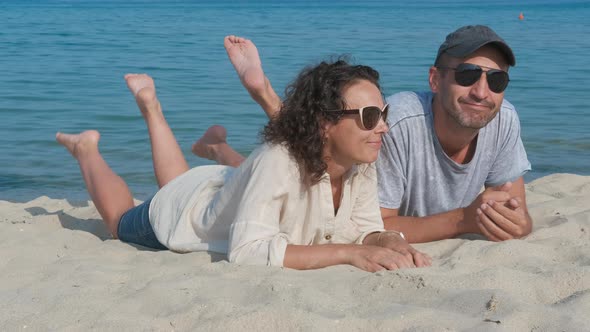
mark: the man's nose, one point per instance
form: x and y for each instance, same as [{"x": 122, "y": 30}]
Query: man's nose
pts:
[{"x": 480, "y": 89}]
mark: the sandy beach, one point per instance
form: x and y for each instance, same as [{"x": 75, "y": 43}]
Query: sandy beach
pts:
[{"x": 60, "y": 270}]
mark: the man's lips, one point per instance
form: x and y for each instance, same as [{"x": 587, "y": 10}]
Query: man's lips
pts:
[{"x": 484, "y": 104}]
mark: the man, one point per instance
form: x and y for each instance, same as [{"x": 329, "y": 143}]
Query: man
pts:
[{"x": 442, "y": 147}]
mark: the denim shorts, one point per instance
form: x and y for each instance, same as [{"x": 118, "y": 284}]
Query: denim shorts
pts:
[{"x": 135, "y": 227}]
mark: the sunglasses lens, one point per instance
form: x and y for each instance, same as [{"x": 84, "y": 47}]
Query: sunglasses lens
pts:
[
  {"x": 497, "y": 80},
  {"x": 467, "y": 76},
  {"x": 371, "y": 116}
]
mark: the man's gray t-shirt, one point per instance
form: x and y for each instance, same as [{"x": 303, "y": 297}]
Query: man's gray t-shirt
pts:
[{"x": 418, "y": 178}]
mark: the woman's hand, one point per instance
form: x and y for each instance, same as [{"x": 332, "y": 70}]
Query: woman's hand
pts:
[
  {"x": 375, "y": 258},
  {"x": 393, "y": 240},
  {"x": 366, "y": 257}
]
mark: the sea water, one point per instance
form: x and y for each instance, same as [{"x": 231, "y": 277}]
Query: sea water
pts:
[{"x": 62, "y": 65}]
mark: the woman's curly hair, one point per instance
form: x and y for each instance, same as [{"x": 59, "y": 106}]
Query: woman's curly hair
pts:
[{"x": 298, "y": 125}]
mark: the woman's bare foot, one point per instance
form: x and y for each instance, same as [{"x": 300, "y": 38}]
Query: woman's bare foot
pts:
[
  {"x": 243, "y": 55},
  {"x": 144, "y": 90},
  {"x": 213, "y": 146},
  {"x": 79, "y": 144},
  {"x": 206, "y": 146}
]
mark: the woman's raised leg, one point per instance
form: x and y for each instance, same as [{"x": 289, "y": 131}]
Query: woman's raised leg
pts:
[
  {"x": 243, "y": 55},
  {"x": 213, "y": 145},
  {"x": 167, "y": 156},
  {"x": 108, "y": 191}
]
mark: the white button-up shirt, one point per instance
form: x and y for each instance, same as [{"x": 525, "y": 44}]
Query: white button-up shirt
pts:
[{"x": 253, "y": 212}]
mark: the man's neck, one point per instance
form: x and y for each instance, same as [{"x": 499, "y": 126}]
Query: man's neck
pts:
[{"x": 457, "y": 142}]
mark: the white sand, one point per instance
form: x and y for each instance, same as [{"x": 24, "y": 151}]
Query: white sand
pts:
[{"x": 59, "y": 270}]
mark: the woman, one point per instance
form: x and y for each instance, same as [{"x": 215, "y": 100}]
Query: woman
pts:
[{"x": 305, "y": 199}]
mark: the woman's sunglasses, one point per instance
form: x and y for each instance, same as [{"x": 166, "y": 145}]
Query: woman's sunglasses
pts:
[
  {"x": 370, "y": 115},
  {"x": 466, "y": 74}
]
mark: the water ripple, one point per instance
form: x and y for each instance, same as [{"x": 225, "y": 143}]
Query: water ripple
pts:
[{"x": 63, "y": 64}]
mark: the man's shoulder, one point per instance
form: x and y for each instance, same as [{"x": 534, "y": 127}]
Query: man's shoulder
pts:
[
  {"x": 408, "y": 104},
  {"x": 507, "y": 107},
  {"x": 507, "y": 115}
]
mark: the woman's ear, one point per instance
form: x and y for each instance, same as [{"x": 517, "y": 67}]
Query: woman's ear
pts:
[{"x": 326, "y": 129}]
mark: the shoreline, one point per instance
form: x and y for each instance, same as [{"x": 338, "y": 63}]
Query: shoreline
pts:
[
  {"x": 60, "y": 269},
  {"x": 76, "y": 192}
]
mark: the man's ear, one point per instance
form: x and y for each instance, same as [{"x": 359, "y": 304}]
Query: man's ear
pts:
[{"x": 434, "y": 77}]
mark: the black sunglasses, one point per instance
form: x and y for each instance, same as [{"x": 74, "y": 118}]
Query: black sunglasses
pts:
[
  {"x": 466, "y": 74},
  {"x": 370, "y": 115}
]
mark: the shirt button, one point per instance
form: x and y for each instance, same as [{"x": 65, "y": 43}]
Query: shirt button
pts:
[{"x": 328, "y": 237}]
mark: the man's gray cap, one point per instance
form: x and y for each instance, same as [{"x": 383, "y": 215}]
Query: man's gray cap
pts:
[{"x": 469, "y": 39}]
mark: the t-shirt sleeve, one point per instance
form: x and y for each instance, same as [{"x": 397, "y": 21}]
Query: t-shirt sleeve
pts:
[
  {"x": 511, "y": 161},
  {"x": 255, "y": 236},
  {"x": 366, "y": 216},
  {"x": 390, "y": 177}
]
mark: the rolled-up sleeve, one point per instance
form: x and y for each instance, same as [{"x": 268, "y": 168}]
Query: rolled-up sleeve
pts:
[{"x": 256, "y": 243}]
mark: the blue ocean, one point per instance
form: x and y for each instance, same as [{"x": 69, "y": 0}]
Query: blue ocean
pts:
[{"x": 62, "y": 65}]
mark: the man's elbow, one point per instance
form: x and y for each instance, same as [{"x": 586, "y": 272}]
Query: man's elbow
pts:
[{"x": 388, "y": 214}]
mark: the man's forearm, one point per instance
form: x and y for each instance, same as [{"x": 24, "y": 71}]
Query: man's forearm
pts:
[{"x": 440, "y": 226}]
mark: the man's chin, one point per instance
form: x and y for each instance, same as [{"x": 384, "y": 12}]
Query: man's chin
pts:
[{"x": 475, "y": 123}]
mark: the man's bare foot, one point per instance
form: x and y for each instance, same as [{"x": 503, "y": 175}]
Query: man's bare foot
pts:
[
  {"x": 79, "y": 144},
  {"x": 205, "y": 147},
  {"x": 243, "y": 55},
  {"x": 144, "y": 90}
]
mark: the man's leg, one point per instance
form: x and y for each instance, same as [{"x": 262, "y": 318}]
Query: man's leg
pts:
[
  {"x": 244, "y": 57},
  {"x": 108, "y": 191},
  {"x": 167, "y": 156},
  {"x": 212, "y": 145}
]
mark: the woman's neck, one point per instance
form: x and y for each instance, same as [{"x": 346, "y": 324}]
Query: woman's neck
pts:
[
  {"x": 335, "y": 170},
  {"x": 336, "y": 173}
]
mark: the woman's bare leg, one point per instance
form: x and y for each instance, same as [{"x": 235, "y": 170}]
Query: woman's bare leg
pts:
[
  {"x": 213, "y": 146},
  {"x": 167, "y": 156},
  {"x": 108, "y": 191},
  {"x": 243, "y": 55}
]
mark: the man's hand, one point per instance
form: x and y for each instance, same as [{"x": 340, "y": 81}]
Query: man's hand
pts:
[
  {"x": 498, "y": 194},
  {"x": 499, "y": 222},
  {"x": 394, "y": 241}
]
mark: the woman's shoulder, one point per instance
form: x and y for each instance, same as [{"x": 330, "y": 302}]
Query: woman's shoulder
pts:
[
  {"x": 268, "y": 151},
  {"x": 275, "y": 156}
]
